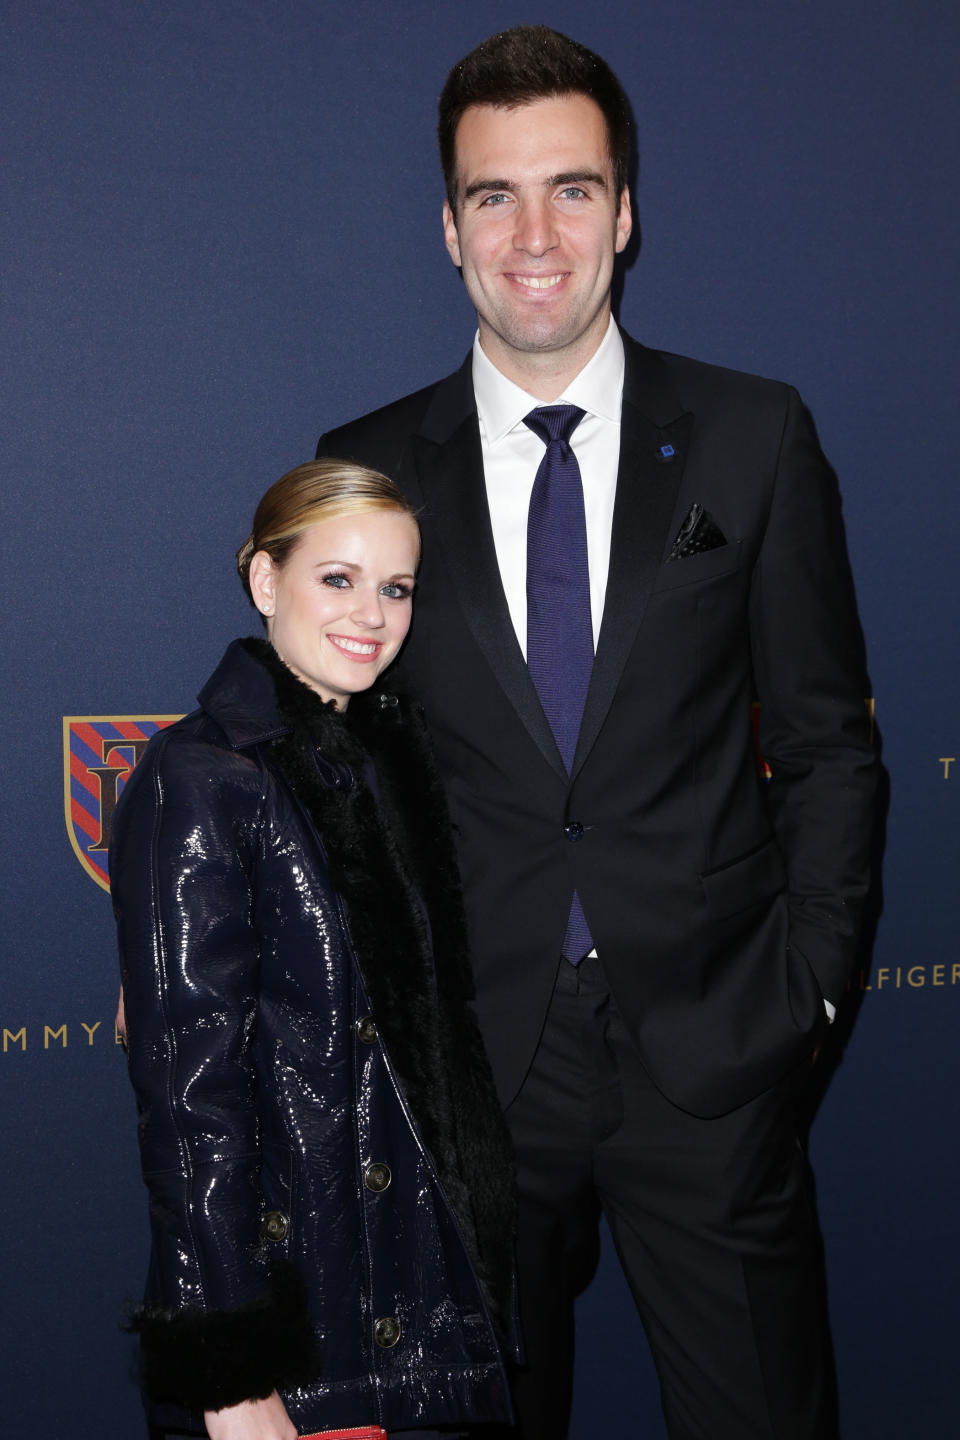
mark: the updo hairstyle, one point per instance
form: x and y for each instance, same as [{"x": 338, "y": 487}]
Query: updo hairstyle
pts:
[{"x": 318, "y": 490}]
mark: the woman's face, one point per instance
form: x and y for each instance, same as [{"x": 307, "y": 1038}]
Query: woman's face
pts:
[{"x": 339, "y": 607}]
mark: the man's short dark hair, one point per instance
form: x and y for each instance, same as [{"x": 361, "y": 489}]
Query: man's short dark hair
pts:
[{"x": 519, "y": 66}]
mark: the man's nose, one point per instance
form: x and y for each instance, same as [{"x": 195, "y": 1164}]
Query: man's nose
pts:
[{"x": 535, "y": 230}]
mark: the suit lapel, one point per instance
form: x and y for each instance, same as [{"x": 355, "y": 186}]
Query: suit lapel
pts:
[
  {"x": 448, "y": 462},
  {"x": 449, "y": 468},
  {"x": 648, "y": 481}
]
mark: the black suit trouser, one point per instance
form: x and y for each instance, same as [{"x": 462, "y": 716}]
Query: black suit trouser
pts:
[{"x": 713, "y": 1221}]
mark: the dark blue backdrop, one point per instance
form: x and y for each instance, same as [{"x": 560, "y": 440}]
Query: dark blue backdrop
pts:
[{"x": 222, "y": 235}]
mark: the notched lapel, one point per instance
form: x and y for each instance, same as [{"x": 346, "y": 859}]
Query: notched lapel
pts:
[
  {"x": 449, "y": 465},
  {"x": 652, "y": 459}
]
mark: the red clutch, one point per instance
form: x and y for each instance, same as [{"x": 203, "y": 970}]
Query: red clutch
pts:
[{"x": 359, "y": 1432}]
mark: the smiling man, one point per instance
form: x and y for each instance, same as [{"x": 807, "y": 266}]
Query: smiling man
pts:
[
  {"x": 622, "y": 550},
  {"x": 536, "y": 246}
]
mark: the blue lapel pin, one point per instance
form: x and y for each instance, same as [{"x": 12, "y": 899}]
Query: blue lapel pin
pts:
[{"x": 667, "y": 452}]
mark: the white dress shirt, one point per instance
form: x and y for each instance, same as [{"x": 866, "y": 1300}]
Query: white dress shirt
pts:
[{"x": 512, "y": 455}]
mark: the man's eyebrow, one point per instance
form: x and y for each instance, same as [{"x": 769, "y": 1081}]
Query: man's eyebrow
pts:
[
  {"x": 566, "y": 177},
  {"x": 477, "y": 186},
  {"x": 577, "y": 177}
]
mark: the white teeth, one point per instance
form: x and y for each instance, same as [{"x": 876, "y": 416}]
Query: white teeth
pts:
[
  {"x": 537, "y": 282},
  {"x": 357, "y": 647}
]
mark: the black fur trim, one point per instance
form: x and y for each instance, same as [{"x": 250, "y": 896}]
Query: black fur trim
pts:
[
  {"x": 208, "y": 1359},
  {"x": 420, "y": 993}
]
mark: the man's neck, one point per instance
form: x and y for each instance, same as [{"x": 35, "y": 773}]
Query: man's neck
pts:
[{"x": 543, "y": 374}]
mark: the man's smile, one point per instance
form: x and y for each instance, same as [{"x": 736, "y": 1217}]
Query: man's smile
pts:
[{"x": 539, "y": 282}]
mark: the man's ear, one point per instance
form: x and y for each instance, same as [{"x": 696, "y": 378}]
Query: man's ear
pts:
[
  {"x": 450, "y": 236},
  {"x": 624, "y": 221},
  {"x": 263, "y": 582}
]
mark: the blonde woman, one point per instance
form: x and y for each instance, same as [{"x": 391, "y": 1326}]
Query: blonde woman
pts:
[{"x": 330, "y": 1180}]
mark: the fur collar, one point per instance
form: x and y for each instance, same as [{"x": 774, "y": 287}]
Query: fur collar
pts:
[{"x": 420, "y": 992}]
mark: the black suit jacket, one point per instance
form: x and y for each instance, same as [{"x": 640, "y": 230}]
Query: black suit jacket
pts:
[{"x": 724, "y": 907}]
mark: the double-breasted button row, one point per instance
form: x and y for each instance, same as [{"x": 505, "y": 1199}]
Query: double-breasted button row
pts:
[
  {"x": 276, "y": 1225},
  {"x": 386, "y": 1331},
  {"x": 377, "y": 1177}
]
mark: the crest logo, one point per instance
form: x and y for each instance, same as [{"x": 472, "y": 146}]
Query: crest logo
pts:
[{"x": 99, "y": 753}]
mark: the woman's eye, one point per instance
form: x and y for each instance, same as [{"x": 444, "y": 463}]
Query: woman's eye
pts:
[
  {"x": 396, "y": 592},
  {"x": 336, "y": 582}
]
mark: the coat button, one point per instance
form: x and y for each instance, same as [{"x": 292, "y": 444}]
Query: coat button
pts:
[
  {"x": 574, "y": 830},
  {"x": 366, "y": 1030},
  {"x": 377, "y": 1177},
  {"x": 276, "y": 1225},
  {"x": 386, "y": 1331}
]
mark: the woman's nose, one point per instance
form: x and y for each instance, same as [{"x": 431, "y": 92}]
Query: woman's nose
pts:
[{"x": 368, "y": 610}]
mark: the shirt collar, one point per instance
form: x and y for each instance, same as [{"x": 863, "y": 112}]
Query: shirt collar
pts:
[{"x": 597, "y": 389}]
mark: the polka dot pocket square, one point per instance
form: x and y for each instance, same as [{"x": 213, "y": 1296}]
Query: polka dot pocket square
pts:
[{"x": 698, "y": 532}]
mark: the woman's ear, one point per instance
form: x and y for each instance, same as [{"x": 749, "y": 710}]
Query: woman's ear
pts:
[{"x": 263, "y": 582}]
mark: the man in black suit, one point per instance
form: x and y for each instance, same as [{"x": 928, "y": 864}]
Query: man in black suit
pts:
[{"x": 660, "y": 933}]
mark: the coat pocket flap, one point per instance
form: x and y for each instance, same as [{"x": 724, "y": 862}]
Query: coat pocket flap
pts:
[{"x": 751, "y": 880}]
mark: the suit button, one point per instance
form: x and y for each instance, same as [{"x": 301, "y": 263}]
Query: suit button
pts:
[
  {"x": 366, "y": 1030},
  {"x": 386, "y": 1332},
  {"x": 377, "y": 1177},
  {"x": 276, "y": 1225},
  {"x": 574, "y": 830}
]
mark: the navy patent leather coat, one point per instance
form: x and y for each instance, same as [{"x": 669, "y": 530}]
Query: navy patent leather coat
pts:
[{"x": 312, "y": 1167}]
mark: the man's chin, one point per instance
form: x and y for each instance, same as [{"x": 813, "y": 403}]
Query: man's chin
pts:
[
  {"x": 544, "y": 335},
  {"x": 542, "y": 339}
]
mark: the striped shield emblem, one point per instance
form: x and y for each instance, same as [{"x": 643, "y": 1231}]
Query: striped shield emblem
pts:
[{"x": 99, "y": 752}]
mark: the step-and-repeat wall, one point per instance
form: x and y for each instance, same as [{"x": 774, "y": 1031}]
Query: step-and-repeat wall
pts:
[{"x": 221, "y": 226}]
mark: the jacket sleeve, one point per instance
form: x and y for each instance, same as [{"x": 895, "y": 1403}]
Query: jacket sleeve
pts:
[
  {"x": 814, "y": 732},
  {"x": 219, "y": 1325}
]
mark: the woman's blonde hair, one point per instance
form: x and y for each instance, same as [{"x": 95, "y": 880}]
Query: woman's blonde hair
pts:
[{"x": 318, "y": 490}]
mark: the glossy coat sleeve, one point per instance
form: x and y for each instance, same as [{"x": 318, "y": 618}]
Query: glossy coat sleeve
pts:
[
  {"x": 811, "y": 679},
  {"x": 183, "y": 858}
]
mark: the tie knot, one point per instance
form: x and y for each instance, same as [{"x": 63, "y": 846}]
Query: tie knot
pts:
[{"x": 554, "y": 422}]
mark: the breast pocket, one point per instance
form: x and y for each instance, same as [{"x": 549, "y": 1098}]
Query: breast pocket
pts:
[{"x": 696, "y": 568}]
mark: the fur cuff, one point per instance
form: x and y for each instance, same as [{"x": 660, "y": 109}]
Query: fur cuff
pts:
[{"x": 208, "y": 1359}]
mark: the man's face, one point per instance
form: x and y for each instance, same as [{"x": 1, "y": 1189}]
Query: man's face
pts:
[{"x": 536, "y": 229}]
